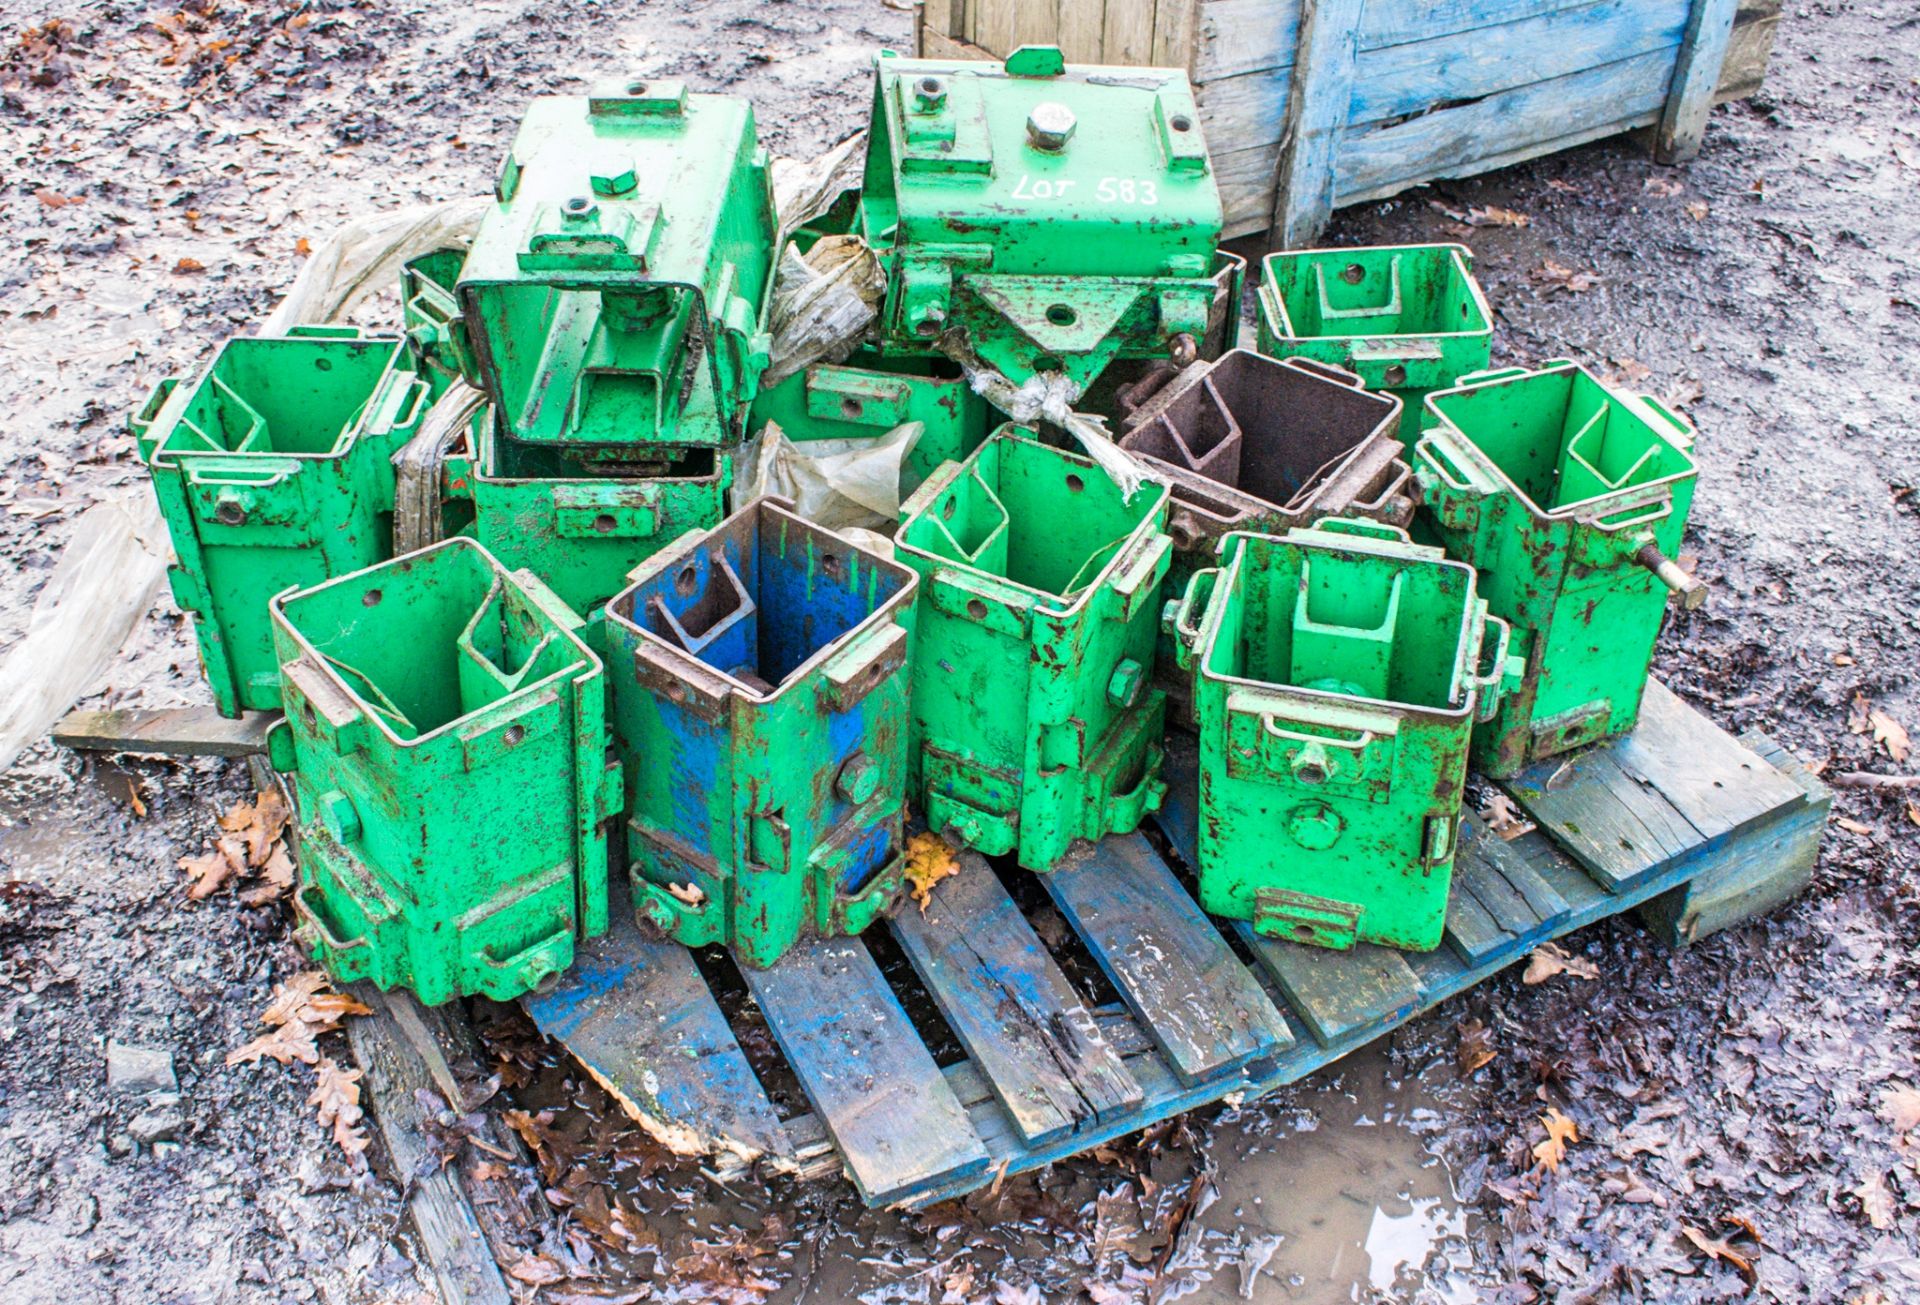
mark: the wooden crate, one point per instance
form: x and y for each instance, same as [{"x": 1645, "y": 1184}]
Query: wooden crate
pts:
[
  {"x": 1679, "y": 819},
  {"x": 1310, "y": 105}
]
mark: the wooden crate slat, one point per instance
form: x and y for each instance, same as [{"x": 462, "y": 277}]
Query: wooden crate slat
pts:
[
  {"x": 872, "y": 1081},
  {"x": 1709, "y": 777},
  {"x": 1208, "y": 1015},
  {"x": 1697, "y": 70},
  {"x": 1244, "y": 36},
  {"x": 1473, "y": 933},
  {"x": 1501, "y": 857},
  {"x": 636, "y": 1012},
  {"x": 1337, "y": 994},
  {"x": 1174, "y": 24},
  {"x": 1396, "y": 80},
  {"x": 1024, "y": 1027},
  {"x": 168, "y": 731}
]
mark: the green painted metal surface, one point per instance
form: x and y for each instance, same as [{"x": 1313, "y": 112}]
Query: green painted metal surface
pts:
[
  {"x": 1065, "y": 216},
  {"x": 1570, "y": 498},
  {"x": 630, "y": 250},
  {"x": 1337, "y": 673},
  {"x": 451, "y": 778},
  {"x": 430, "y": 311},
  {"x": 273, "y": 471},
  {"x": 1033, "y": 720},
  {"x": 575, "y": 525},
  {"x": 1409, "y": 319},
  {"x": 760, "y": 700},
  {"x": 870, "y": 395}
]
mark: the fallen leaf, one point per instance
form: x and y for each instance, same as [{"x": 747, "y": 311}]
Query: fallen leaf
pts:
[
  {"x": 1504, "y": 817},
  {"x": 487, "y": 1171},
  {"x": 189, "y": 265},
  {"x": 1900, "y": 1107},
  {"x": 1496, "y": 217},
  {"x": 1558, "y": 276},
  {"x": 1631, "y": 370},
  {"x": 1476, "y": 1046},
  {"x": 536, "y": 1270},
  {"x": 1876, "y": 1200},
  {"x": 688, "y": 894},
  {"x": 1913, "y": 810},
  {"x": 1853, "y": 826},
  {"x": 1698, "y": 209},
  {"x": 1662, "y": 186},
  {"x": 1842, "y": 659},
  {"x": 54, "y": 199},
  {"x": 337, "y": 1094},
  {"x": 929, "y": 860},
  {"x": 260, "y": 824},
  {"x": 209, "y": 873},
  {"x": 302, "y": 247},
  {"x": 301, "y": 1010},
  {"x": 1560, "y": 1131},
  {"x": 1858, "y": 713},
  {"x": 1548, "y": 959},
  {"x": 1716, "y": 1248},
  {"x": 1889, "y": 734}
]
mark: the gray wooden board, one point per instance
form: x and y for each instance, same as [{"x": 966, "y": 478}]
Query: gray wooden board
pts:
[
  {"x": 1628, "y": 807},
  {"x": 894, "y": 1120},
  {"x": 636, "y": 1012},
  {"x": 1024, "y": 1026},
  {"x": 463, "y": 1264},
  {"x": 1206, "y": 1012},
  {"x": 1338, "y": 993},
  {"x": 172, "y": 731}
]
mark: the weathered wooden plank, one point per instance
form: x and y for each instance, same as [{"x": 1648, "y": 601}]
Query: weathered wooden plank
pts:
[
  {"x": 1751, "y": 46},
  {"x": 1397, "y": 80},
  {"x": 1243, "y": 36},
  {"x": 1471, "y": 932},
  {"x": 1199, "y": 1004},
  {"x": 1484, "y": 884},
  {"x": 1338, "y": 994},
  {"x": 463, "y": 1264},
  {"x": 1696, "y": 74},
  {"x": 871, "y": 1080},
  {"x": 1707, "y": 775},
  {"x": 1129, "y": 31},
  {"x": 1501, "y": 857},
  {"x": 1083, "y": 30},
  {"x": 171, "y": 731},
  {"x": 1759, "y": 877},
  {"x": 1315, "y": 122},
  {"x": 1615, "y": 826},
  {"x": 636, "y": 1013},
  {"x": 938, "y": 45},
  {"x": 1026, "y": 1029},
  {"x": 1175, "y": 24}
]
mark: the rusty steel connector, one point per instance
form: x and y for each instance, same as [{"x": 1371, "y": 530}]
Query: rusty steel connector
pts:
[{"x": 1692, "y": 593}]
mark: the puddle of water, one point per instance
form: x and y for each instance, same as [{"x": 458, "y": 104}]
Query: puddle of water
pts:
[{"x": 1338, "y": 1169}]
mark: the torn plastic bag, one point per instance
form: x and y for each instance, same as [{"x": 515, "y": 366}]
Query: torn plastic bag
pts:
[
  {"x": 836, "y": 483},
  {"x": 804, "y": 189},
  {"x": 106, "y": 579},
  {"x": 418, "y": 466},
  {"x": 365, "y": 256},
  {"x": 823, "y": 303}
]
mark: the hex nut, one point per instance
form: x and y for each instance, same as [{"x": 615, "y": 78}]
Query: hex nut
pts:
[
  {"x": 1123, "y": 686},
  {"x": 859, "y": 778},
  {"x": 1050, "y": 126}
]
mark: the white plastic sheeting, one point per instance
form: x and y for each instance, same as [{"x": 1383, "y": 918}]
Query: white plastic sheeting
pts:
[
  {"x": 839, "y": 484},
  {"x": 365, "y": 256}
]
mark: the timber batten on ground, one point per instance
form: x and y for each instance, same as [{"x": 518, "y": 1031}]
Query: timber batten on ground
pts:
[{"x": 1711, "y": 828}]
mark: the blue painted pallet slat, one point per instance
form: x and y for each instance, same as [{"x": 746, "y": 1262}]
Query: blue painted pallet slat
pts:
[
  {"x": 1696, "y": 74},
  {"x": 836, "y": 1021},
  {"x": 1208, "y": 1015},
  {"x": 635, "y": 1010},
  {"x": 895, "y": 1122},
  {"x": 1023, "y": 1025}
]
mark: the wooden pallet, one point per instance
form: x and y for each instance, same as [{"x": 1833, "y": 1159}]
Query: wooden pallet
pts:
[{"x": 1047, "y": 1072}]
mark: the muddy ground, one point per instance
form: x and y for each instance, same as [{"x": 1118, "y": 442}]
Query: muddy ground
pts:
[{"x": 163, "y": 166}]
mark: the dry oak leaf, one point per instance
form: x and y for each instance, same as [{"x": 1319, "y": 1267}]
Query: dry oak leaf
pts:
[
  {"x": 1548, "y": 960},
  {"x": 1717, "y": 1248},
  {"x": 1889, "y": 734},
  {"x": 337, "y": 1094},
  {"x": 301, "y": 1010},
  {"x": 1504, "y": 817},
  {"x": 929, "y": 860},
  {"x": 1876, "y": 1200},
  {"x": 536, "y": 1270},
  {"x": 1900, "y": 1107},
  {"x": 1558, "y": 276},
  {"x": 189, "y": 265},
  {"x": 209, "y": 873},
  {"x": 1560, "y": 1131},
  {"x": 688, "y": 894},
  {"x": 1853, "y": 826},
  {"x": 1476, "y": 1046},
  {"x": 260, "y": 824}
]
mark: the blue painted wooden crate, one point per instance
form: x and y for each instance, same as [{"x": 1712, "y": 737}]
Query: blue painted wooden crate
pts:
[
  {"x": 1310, "y": 105},
  {"x": 1695, "y": 828}
]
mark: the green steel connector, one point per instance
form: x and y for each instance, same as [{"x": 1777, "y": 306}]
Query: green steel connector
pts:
[
  {"x": 274, "y": 472},
  {"x": 629, "y": 252},
  {"x": 452, "y": 783},
  {"x": 1064, "y": 216},
  {"x": 760, "y": 696},
  {"x": 1337, "y": 675},
  {"x": 1409, "y": 319},
  {"x": 1033, "y": 722},
  {"x": 868, "y": 396},
  {"x": 430, "y": 311},
  {"x": 1570, "y": 499}
]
